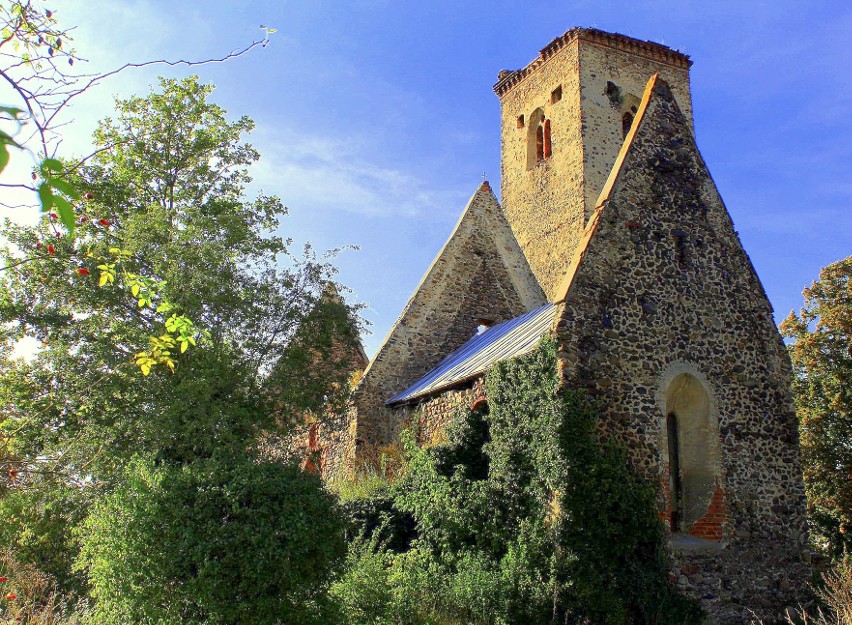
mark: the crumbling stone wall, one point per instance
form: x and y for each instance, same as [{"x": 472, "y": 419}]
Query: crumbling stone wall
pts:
[{"x": 665, "y": 288}]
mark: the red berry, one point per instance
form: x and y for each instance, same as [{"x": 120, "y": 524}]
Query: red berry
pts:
[
  {"x": 58, "y": 235},
  {"x": 83, "y": 271},
  {"x": 88, "y": 196},
  {"x": 4, "y": 579},
  {"x": 38, "y": 245},
  {"x": 51, "y": 249},
  {"x": 103, "y": 222},
  {"x": 83, "y": 219},
  {"x": 11, "y": 596},
  {"x": 54, "y": 216}
]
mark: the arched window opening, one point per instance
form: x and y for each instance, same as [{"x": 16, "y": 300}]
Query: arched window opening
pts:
[
  {"x": 693, "y": 452},
  {"x": 548, "y": 149},
  {"x": 538, "y": 138},
  {"x": 626, "y": 123}
]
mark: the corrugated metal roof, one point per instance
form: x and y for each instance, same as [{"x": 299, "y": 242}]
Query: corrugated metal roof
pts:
[{"x": 503, "y": 340}]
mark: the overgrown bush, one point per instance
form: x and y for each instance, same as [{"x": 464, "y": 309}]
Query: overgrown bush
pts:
[
  {"x": 216, "y": 541},
  {"x": 522, "y": 516},
  {"x": 29, "y": 595}
]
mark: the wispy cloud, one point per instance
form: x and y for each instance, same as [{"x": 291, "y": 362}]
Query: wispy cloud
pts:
[{"x": 339, "y": 175}]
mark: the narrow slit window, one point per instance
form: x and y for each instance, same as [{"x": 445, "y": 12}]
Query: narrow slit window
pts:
[
  {"x": 675, "y": 485},
  {"x": 548, "y": 147},
  {"x": 539, "y": 143},
  {"x": 520, "y": 121},
  {"x": 626, "y": 123}
]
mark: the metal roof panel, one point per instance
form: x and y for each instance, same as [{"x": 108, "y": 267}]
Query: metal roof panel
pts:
[{"x": 501, "y": 341}]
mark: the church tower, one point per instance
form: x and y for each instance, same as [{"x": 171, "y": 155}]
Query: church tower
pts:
[{"x": 564, "y": 118}]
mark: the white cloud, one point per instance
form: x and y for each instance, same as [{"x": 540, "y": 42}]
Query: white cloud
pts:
[{"x": 338, "y": 175}]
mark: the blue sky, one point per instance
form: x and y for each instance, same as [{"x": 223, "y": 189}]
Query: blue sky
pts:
[{"x": 376, "y": 119}]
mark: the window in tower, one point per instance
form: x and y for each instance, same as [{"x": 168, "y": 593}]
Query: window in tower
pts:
[
  {"x": 539, "y": 143},
  {"x": 548, "y": 148},
  {"x": 539, "y": 146},
  {"x": 520, "y": 121},
  {"x": 626, "y": 123},
  {"x": 556, "y": 95}
]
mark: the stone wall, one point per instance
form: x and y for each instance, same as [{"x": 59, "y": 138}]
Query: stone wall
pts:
[
  {"x": 480, "y": 274},
  {"x": 661, "y": 289},
  {"x": 547, "y": 203}
]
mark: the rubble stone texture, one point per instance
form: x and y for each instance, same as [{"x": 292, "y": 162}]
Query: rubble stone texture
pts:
[{"x": 610, "y": 212}]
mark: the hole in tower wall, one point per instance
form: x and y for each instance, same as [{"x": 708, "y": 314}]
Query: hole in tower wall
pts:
[
  {"x": 556, "y": 95},
  {"x": 548, "y": 147},
  {"x": 613, "y": 92},
  {"x": 520, "y": 121}
]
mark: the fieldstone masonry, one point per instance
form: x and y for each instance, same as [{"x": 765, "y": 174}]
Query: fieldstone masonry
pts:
[{"x": 610, "y": 212}]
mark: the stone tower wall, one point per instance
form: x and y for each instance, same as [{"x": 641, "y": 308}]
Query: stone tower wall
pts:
[{"x": 547, "y": 203}]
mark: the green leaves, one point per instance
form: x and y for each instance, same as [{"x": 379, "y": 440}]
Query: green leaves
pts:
[
  {"x": 6, "y": 140},
  {"x": 56, "y": 193},
  {"x": 822, "y": 361},
  {"x": 522, "y": 516}
]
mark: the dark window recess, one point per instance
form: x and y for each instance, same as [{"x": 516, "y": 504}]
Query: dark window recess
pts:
[
  {"x": 556, "y": 95},
  {"x": 681, "y": 253},
  {"x": 675, "y": 485},
  {"x": 626, "y": 123},
  {"x": 548, "y": 147},
  {"x": 539, "y": 143},
  {"x": 520, "y": 121},
  {"x": 613, "y": 92}
]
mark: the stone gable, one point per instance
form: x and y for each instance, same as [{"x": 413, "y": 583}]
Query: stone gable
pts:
[{"x": 665, "y": 322}]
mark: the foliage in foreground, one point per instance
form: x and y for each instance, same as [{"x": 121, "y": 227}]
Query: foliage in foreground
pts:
[
  {"x": 215, "y": 541},
  {"x": 521, "y": 517},
  {"x": 151, "y": 485},
  {"x": 822, "y": 363}
]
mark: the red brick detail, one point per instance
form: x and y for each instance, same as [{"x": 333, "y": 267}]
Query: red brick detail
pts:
[
  {"x": 479, "y": 401},
  {"x": 710, "y": 525},
  {"x": 315, "y": 455}
]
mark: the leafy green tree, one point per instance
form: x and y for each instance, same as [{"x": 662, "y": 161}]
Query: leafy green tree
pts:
[
  {"x": 821, "y": 351},
  {"x": 168, "y": 214}
]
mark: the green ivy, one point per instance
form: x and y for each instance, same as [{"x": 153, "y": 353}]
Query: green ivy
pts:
[{"x": 522, "y": 516}]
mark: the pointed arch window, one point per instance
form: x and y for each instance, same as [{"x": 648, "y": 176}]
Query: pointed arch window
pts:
[
  {"x": 692, "y": 446},
  {"x": 539, "y": 142}
]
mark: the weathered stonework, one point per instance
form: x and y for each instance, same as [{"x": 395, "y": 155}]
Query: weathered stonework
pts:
[
  {"x": 548, "y": 203},
  {"x": 610, "y": 213},
  {"x": 480, "y": 274},
  {"x": 664, "y": 289}
]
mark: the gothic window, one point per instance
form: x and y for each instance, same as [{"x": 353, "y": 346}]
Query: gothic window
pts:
[
  {"x": 692, "y": 445},
  {"x": 539, "y": 145}
]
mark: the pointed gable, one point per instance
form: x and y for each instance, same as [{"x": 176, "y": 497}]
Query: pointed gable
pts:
[
  {"x": 662, "y": 284},
  {"x": 479, "y": 274}
]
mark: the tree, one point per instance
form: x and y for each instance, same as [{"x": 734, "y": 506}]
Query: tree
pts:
[
  {"x": 821, "y": 352},
  {"x": 169, "y": 213}
]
